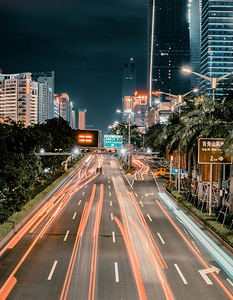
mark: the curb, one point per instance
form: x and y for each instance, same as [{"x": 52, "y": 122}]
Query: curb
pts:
[{"x": 201, "y": 223}]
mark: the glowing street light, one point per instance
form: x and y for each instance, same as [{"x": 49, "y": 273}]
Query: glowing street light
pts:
[{"x": 212, "y": 80}]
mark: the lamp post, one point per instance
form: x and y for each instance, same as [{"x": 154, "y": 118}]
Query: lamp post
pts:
[
  {"x": 179, "y": 99},
  {"x": 212, "y": 80}
]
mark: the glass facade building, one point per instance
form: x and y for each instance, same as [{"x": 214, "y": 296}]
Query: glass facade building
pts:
[
  {"x": 216, "y": 41},
  {"x": 170, "y": 47}
]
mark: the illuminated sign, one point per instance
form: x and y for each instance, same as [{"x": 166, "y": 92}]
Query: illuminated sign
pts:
[
  {"x": 210, "y": 151},
  {"x": 88, "y": 138},
  {"x": 113, "y": 141}
]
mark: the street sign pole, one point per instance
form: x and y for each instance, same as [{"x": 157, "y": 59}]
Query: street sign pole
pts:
[{"x": 210, "y": 190}]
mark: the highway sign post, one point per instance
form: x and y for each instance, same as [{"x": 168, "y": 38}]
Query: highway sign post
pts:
[{"x": 210, "y": 152}]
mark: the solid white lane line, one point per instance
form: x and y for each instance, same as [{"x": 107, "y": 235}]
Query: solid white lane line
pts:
[
  {"x": 229, "y": 281},
  {"x": 180, "y": 273},
  {"x": 109, "y": 186},
  {"x": 110, "y": 194},
  {"x": 161, "y": 239},
  {"x": 113, "y": 237},
  {"x": 52, "y": 270},
  {"x": 149, "y": 217},
  {"x": 74, "y": 215},
  {"x": 141, "y": 204},
  {"x": 129, "y": 182},
  {"x": 156, "y": 181},
  {"x": 83, "y": 193},
  {"x": 146, "y": 195},
  {"x": 112, "y": 216},
  {"x": 195, "y": 247},
  {"x": 79, "y": 202},
  {"x": 116, "y": 272},
  {"x": 66, "y": 236},
  {"x": 110, "y": 203},
  {"x": 136, "y": 194}
]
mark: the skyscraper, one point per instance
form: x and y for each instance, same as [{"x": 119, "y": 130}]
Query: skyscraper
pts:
[
  {"x": 216, "y": 40},
  {"x": 18, "y": 98},
  {"x": 129, "y": 78},
  {"x": 170, "y": 47},
  {"x": 128, "y": 87},
  {"x": 64, "y": 107},
  {"x": 82, "y": 119},
  {"x": 46, "y": 82},
  {"x": 194, "y": 14}
]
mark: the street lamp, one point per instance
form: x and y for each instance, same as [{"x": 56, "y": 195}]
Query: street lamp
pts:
[
  {"x": 212, "y": 80},
  {"x": 179, "y": 98}
]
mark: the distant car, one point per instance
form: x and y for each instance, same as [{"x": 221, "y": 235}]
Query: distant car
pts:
[{"x": 162, "y": 172}]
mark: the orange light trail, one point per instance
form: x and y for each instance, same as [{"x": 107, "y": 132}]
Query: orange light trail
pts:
[
  {"x": 158, "y": 272},
  {"x": 8, "y": 283},
  {"x": 81, "y": 228},
  {"x": 135, "y": 267},
  {"x": 91, "y": 294},
  {"x": 195, "y": 252}
]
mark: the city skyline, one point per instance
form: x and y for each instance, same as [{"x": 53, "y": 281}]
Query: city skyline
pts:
[{"x": 86, "y": 52}]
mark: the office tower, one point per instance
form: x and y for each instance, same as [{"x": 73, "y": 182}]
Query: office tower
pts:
[
  {"x": 129, "y": 78},
  {"x": 18, "y": 98},
  {"x": 128, "y": 86},
  {"x": 64, "y": 106},
  {"x": 46, "y": 81},
  {"x": 73, "y": 119},
  {"x": 194, "y": 14},
  {"x": 82, "y": 118},
  {"x": 216, "y": 41},
  {"x": 170, "y": 46}
]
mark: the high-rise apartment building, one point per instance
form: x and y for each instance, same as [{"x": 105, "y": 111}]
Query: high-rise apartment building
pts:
[
  {"x": 216, "y": 40},
  {"x": 170, "y": 46},
  {"x": 46, "y": 82},
  {"x": 19, "y": 98}
]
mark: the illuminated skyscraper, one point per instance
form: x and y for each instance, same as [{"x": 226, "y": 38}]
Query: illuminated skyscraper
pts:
[
  {"x": 64, "y": 106},
  {"x": 170, "y": 47},
  {"x": 216, "y": 40},
  {"x": 194, "y": 14},
  {"x": 82, "y": 119},
  {"x": 128, "y": 87}
]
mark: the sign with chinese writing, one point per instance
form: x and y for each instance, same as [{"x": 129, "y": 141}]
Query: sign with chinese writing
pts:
[
  {"x": 88, "y": 138},
  {"x": 113, "y": 141},
  {"x": 176, "y": 159},
  {"x": 206, "y": 173},
  {"x": 175, "y": 163},
  {"x": 210, "y": 151}
]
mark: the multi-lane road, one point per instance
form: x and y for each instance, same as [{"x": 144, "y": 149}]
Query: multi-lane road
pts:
[{"x": 106, "y": 235}]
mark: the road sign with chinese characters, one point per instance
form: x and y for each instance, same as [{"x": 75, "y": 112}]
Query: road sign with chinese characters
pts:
[{"x": 210, "y": 151}]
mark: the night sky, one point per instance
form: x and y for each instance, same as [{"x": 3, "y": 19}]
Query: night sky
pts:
[{"x": 84, "y": 42}]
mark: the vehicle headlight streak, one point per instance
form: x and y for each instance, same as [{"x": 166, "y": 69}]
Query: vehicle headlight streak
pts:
[{"x": 61, "y": 201}]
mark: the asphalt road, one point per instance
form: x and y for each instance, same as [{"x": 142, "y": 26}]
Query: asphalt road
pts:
[{"x": 109, "y": 236}]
